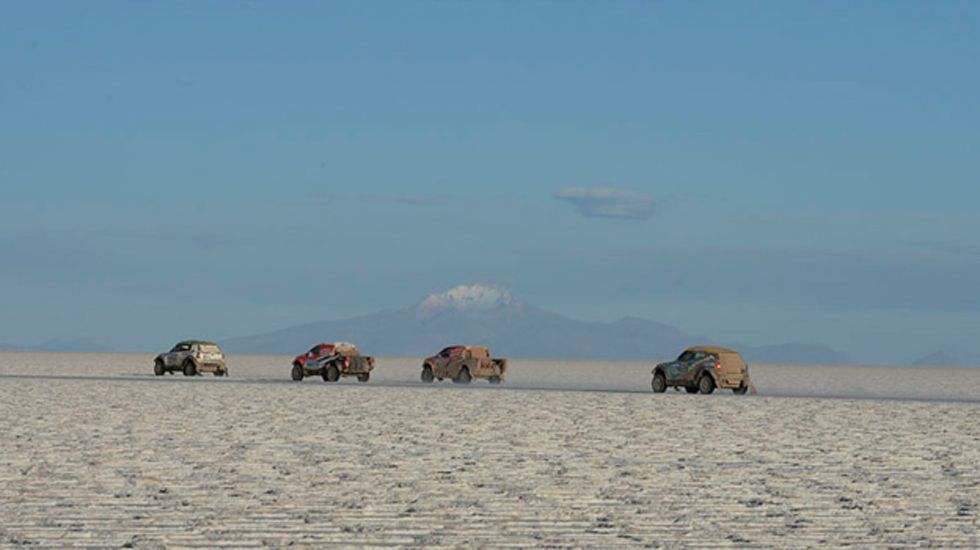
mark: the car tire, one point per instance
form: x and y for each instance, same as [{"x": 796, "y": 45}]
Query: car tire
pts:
[
  {"x": 691, "y": 389},
  {"x": 189, "y": 368},
  {"x": 427, "y": 374},
  {"x": 331, "y": 374},
  {"x": 706, "y": 384},
  {"x": 495, "y": 380},
  {"x": 659, "y": 383},
  {"x": 463, "y": 376},
  {"x": 221, "y": 372},
  {"x": 158, "y": 368},
  {"x": 741, "y": 390},
  {"x": 364, "y": 377},
  {"x": 297, "y": 373}
]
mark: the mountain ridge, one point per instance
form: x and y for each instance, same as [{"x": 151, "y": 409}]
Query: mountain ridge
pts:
[
  {"x": 492, "y": 316},
  {"x": 936, "y": 359}
]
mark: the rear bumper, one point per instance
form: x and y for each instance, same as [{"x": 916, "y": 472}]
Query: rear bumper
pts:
[
  {"x": 362, "y": 368},
  {"x": 210, "y": 367},
  {"x": 731, "y": 381}
]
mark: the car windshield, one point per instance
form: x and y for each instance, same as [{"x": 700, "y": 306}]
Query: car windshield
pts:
[{"x": 686, "y": 356}]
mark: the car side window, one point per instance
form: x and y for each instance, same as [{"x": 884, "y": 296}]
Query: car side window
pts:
[{"x": 444, "y": 353}]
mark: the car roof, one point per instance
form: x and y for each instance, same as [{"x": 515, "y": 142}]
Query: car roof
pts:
[
  {"x": 712, "y": 349},
  {"x": 199, "y": 342},
  {"x": 466, "y": 347}
]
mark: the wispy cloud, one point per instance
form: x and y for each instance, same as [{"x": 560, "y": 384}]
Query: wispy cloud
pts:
[
  {"x": 375, "y": 198},
  {"x": 608, "y": 202}
]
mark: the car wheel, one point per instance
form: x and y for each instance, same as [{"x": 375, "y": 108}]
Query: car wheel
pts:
[
  {"x": 494, "y": 379},
  {"x": 189, "y": 369},
  {"x": 158, "y": 368},
  {"x": 463, "y": 377},
  {"x": 741, "y": 390},
  {"x": 659, "y": 383},
  {"x": 427, "y": 374},
  {"x": 297, "y": 373},
  {"x": 220, "y": 372},
  {"x": 331, "y": 374},
  {"x": 706, "y": 384},
  {"x": 364, "y": 377}
]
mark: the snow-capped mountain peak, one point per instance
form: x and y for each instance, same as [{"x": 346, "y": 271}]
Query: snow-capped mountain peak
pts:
[{"x": 466, "y": 298}]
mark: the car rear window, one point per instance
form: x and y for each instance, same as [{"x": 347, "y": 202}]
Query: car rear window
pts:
[{"x": 210, "y": 348}]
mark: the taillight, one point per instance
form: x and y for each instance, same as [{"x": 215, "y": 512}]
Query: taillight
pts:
[
  {"x": 717, "y": 365},
  {"x": 346, "y": 361},
  {"x": 198, "y": 355}
]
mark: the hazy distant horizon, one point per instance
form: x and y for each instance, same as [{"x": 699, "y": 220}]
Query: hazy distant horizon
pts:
[{"x": 494, "y": 311}]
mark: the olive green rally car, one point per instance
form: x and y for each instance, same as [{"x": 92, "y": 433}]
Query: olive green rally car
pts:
[{"x": 702, "y": 369}]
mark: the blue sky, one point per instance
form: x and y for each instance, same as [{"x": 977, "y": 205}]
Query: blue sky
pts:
[{"x": 752, "y": 171}]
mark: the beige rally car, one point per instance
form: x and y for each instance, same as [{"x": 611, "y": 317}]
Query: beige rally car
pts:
[
  {"x": 462, "y": 364},
  {"x": 191, "y": 357}
]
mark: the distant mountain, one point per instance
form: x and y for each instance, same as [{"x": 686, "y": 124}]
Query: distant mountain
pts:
[
  {"x": 477, "y": 314},
  {"x": 938, "y": 359},
  {"x": 491, "y": 315}
]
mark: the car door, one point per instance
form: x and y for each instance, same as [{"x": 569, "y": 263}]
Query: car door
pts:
[
  {"x": 313, "y": 357},
  {"x": 172, "y": 357},
  {"x": 676, "y": 371},
  {"x": 185, "y": 352},
  {"x": 702, "y": 362},
  {"x": 442, "y": 361},
  {"x": 693, "y": 369}
]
